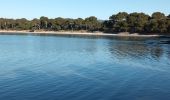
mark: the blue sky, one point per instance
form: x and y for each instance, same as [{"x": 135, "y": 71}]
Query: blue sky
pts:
[{"x": 78, "y": 8}]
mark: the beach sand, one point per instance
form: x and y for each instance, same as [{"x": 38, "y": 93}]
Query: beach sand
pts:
[{"x": 121, "y": 34}]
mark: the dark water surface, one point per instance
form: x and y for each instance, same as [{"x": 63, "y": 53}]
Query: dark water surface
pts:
[{"x": 74, "y": 68}]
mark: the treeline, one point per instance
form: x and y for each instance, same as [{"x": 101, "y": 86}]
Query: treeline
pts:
[
  {"x": 138, "y": 22},
  {"x": 57, "y": 24},
  {"x": 121, "y": 22}
]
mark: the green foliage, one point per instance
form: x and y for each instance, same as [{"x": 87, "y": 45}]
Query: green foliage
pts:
[
  {"x": 168, "y": 16},
  {"x": 168, "y": 25},
  {"x": 43, "y": 22},
  {"x": 120, "y": 22},
  {"x": 121, "y": 16},
  {"x": 138, "y": 22},
  {"x": 91, "y": 23},
  {"x": 158, "y": 15},
  {"x": 153, "y": 26}
]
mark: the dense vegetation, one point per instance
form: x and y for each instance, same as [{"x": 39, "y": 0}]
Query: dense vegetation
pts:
[
  {"x": 138, "y": 22},
  {"x": 121, "y": 22}
]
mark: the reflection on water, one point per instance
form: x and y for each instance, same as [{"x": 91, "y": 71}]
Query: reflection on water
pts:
[
  {"x": 136, "y": 50},
  {"x": 77, "y": 68}
]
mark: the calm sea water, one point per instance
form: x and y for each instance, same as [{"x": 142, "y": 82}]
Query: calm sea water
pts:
[{"x": 76, "y": 68}]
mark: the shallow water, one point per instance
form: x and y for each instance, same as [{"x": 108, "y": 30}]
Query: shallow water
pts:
[{"x": 76, "y": 68}]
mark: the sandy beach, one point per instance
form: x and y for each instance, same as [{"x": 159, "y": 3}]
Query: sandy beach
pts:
[{"x": 121, "y": 34}]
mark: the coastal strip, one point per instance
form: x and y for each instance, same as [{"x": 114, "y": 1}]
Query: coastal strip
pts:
[{"x": 121, "y": 34}]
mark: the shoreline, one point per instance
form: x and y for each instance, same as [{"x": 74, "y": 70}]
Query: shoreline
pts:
[{"x": 80, "y": 33}]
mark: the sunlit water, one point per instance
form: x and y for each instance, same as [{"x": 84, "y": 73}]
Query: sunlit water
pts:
[{"x": 74, "y": 68}]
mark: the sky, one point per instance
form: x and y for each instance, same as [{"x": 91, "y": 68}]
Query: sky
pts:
[{"x": 78, "y": 8}]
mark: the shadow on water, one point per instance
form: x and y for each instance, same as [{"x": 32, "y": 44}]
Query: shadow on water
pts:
[
  {"x": 165, "y": 42},
  {"x": 140, "y": 48}
]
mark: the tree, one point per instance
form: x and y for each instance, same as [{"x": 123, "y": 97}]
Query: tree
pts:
[
  {"x": 168, "y": 16},
  {"x": 22, "y": 24},
  {"x": 152, "y": 26},
  {"x": 92, "y": 23},
  {"x": 121, "y": 16},
  {"x": 43, "y": 22},
  {"x": 121, "y": 26},
  {"x": 78, "y": 23},
  {"x": 60, "y": 22},
  {"x": 162, "y": 27},
  {"x": 159, "y": 20},
  {"x": 120, "y": 22},
  {"x": 137, "y": 21},
  {"x": 158, "y": 15},
  {"x": 35, "y": 24},
  {"x": 4, "y": 23},
  {"x": 168, "y": 25}
]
